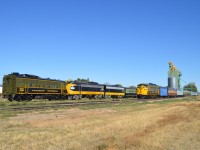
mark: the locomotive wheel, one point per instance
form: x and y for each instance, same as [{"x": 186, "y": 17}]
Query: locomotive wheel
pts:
[
  {"x": 63, "y": 97},
  {"x": 75, "y": 97},
  {"x": 100, "y": 96},
  {"x": 18, "y": 98},
  {"x": 80, "y": 97},
  {"x": 69, "y": 97},
  {"x": 10, "y": 99},
  {"x": 29, "y": 98},
  {"x": 119, "y": 97}
]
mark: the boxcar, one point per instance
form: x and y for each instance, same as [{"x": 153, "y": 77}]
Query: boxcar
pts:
[
  {"x": 163, "y": 91},
  {"x": 26, "y": 87},
  {"x": 172, "y": 92}
]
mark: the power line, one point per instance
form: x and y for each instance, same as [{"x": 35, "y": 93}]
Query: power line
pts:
[{"x": 184, "y": 81}]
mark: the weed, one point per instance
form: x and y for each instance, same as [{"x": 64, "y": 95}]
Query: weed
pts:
[{"x": 102, "y": 146}]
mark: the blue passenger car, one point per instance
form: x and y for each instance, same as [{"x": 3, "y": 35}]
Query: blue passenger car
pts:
[
  {"x": 180, "y": 93},
  {"x": 194, "y": 93},
  {"x": 163, "y": 92}
]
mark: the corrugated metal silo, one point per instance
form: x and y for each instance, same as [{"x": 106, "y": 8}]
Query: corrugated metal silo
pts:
[{"x": 173, "y": 82}]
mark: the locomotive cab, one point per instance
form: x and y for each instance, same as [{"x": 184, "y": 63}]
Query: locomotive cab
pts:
[
  {"x": 142, "y": 91},
  {"x": 9, "y": 87}
]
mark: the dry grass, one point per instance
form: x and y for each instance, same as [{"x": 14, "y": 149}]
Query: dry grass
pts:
[{"x": 152, "y": 126}]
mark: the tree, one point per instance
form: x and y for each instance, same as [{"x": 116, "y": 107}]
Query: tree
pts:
[
  {"x": 83, "y": 80},
  {"x": 132, "y": 87},
  {"x": 107, "y": 83},
  {"x": 190, "y": 87},
  {"x": 68, "y": 80},
  {"x": 118, "y": 84}
]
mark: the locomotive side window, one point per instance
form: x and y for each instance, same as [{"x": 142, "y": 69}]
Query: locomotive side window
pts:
[
  {"x": 20, "y": 82},
  {"x": 74, "y": 88}
]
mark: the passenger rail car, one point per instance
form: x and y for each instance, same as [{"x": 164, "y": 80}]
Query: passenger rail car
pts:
[
  {"x": 194, "y": 94},
  {"x": 130, "y": 92},
  {"x": 186, "y": 93},
  {"x": 26, "y": 87},
  {"x": 180, "y": 93}
]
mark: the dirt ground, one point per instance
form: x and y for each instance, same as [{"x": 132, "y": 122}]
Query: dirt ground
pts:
[{"x": 152, "y": 126}]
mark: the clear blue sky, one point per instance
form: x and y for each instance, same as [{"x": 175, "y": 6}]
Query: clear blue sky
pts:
[{"x": 115, "y": 41}]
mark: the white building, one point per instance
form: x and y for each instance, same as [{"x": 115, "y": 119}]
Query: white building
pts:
[{"x": 0, "y": 90}]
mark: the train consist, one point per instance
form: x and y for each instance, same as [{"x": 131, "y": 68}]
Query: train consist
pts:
[
  {"x": 21, "y": 87},
  {"x": 27, "y": 87},
  {"x": 153, "y": 91}
]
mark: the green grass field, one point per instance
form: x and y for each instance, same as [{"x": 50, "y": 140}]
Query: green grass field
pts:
[{"x": 171, "y": 124}]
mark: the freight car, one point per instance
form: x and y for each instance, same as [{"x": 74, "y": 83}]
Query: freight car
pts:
[
  {"x": 148, "y": 90},
  {"x": 172, "y": 92},
  {"x": 163, "y": 92},
  {"x": 26, "y": 87},
  {"x": 130, "y": 92}
]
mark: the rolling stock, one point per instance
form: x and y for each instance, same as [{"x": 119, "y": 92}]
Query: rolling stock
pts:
[
  {"x": 26, "y": 87},
  {"x": 180, "y": 93},
  {"x": 186, "y": 93},
  {"x": 148, "y": 90},
  {"x": 130, "y": 92},
  {"x": 113, "y": 91},
  {"x": 163, "y": 92},
  {"x": 172, "y": 92},
  {"x": 77, "y": 90}
]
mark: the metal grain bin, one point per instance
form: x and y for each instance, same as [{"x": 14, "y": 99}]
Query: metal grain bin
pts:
[
  {"x": 163, "y": 92},
  {"x": 173, "y": 82}
]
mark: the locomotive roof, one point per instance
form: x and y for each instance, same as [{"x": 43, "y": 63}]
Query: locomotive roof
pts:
[
  {"x": 32, "y": 77},
  {"x": 114, "y": 87},
  {"x": 94, "y": 83},
  {"x": 148, "y": 84}
]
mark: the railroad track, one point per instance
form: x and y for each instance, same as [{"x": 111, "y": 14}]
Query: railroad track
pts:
[
  {"x": 79, "y": 103},
  {"x": 58, "y": 105}
]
